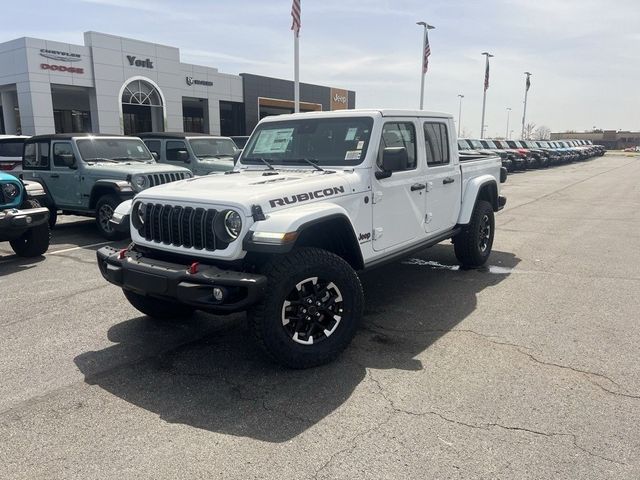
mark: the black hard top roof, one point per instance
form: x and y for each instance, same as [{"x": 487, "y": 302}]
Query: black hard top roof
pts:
[
  {"x": 69, "y": 136},
  {"x": 177, "y": 135}
]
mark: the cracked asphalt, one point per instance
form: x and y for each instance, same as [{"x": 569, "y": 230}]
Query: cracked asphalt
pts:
[{"x": 526, "y": 369}]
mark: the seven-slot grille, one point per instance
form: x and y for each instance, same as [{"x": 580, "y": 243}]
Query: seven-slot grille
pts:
[
  {"x": 181, "y": 226},
  {"x": 161, "y": 178}
]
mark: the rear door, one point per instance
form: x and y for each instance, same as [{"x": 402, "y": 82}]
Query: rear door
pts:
[
  {"x": 443, "y": 177},
  {"x": 399, "y": 201}
]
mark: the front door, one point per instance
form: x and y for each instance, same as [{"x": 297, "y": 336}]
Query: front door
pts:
[
  {"x": 399, "y": 201},
  {"x": 443, "y": 179},
  {"x": 64, "y": 183}
]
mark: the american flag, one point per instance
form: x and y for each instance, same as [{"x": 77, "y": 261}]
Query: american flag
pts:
[
  {"x": 425, "y": 58},
  {"x": 295, "y": 14},
  {"x": 486, "y": 77}
]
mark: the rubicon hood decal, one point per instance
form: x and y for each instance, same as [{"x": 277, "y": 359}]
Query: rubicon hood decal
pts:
[{"x": 303, "y": 197}]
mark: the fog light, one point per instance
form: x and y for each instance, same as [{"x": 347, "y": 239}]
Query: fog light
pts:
[{"x": 218, "y": 294}]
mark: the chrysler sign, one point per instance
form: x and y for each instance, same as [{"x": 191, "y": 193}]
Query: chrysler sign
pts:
[{"x": 60, "y": 56}]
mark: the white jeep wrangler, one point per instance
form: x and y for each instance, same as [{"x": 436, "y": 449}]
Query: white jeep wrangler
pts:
[{"x": 313, "y": 198}]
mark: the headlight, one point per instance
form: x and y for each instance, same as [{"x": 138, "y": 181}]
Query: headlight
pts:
[
  {"x": 227, "y": 225},
  {"x": 140, "y": 182},
  {"x": 137, "y": 214},
  {"x": 10, "y": 191},
  {"x": 232, "y": 223}
]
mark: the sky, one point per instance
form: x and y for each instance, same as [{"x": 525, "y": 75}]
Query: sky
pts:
[{"x": 584, "y": 54}]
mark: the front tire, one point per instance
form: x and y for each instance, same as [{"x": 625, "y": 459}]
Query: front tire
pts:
[
  {"x": 104, "y": 211},
  {"x": 32, "y": 243},
  {"x": 311, "y": 310},
  {"x": 156, "y": 307},
  {"x": 473, "y": 244}
]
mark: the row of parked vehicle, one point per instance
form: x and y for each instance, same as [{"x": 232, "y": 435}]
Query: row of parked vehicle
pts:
[
  {"x": 90, "y": 175},
  {"x": 526, "y": 154}
]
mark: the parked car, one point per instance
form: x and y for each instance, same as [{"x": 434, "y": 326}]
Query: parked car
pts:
[
  {"x": 240, "y": 141},
  {"x": 202, "y": 154},
  {"x": 87, "y": 174},
  {"x": 554, "y": 157},
  {"x": 471, "y": 146},
  {"x": 520, "y": 160},
  {"x": 11, "y": 153},
  {"x": 314, "y": 198},
  {"x": 23, "y": 222}
]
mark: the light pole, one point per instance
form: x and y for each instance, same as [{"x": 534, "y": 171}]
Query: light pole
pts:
[
  {"x": 426, "y": 51},
  {"x": 508, "y": 112},
  {"x": 486, "y": 87},
  {"x": 460, "y": 96},
  {"x": 526, "y": 91}
]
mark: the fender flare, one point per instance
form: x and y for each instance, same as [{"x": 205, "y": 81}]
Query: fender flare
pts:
[
  {"x": 121, "y": 188},
  {"x": 297, "y": 220},
  {"x": 471, "y": 194}
]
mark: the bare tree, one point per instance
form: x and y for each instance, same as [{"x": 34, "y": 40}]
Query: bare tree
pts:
[
  {"x": 542, "y": 133},
  {"x": 528, "y": 130}
]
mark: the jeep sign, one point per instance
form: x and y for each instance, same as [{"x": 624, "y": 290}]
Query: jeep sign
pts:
[{"x": 339, "y": 99}]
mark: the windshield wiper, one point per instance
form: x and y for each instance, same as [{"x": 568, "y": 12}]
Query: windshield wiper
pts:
[
  {"x": 266, "y": 162},
  {"x": 310, "y": 162},
  {"x": 101, "y": 160}
]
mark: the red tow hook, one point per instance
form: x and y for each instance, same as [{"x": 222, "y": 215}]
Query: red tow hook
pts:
[
  {"x": 193, "y": 269},
  {"x": 122, "y": 253}
]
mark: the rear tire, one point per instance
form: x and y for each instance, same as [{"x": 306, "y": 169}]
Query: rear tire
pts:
[
  {"x": 104, "y": 211},
  {"x": 473, "y": 244},
  {"x": 158, "y": 308},
  {"x": 34, "y": 242},
  {"x": 312, "y": 308}
]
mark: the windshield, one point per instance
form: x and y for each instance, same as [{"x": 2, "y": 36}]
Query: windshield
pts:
[
  {"x": 113, "y": 149},
  {"x": 463, "y": 145},
  {"x": 324, "y": 141},
  {"x": 212, "y": 147},
  {"x": 475, "y": 144}
]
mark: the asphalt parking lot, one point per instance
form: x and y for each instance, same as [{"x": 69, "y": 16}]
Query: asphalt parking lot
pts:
[{"x": 525, "y": 369}]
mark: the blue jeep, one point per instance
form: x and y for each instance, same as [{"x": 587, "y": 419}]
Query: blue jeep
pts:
[{"x": 23, "y": 222}]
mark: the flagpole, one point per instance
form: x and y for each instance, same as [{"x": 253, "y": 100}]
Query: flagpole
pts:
[
  {"x": 486, "y": 87},
  {"x": 296, "y": 72},
  {"x": 524, "y": 111},
  {"x": 460, "y": 113},
  {"x": 423, "y": 71}
]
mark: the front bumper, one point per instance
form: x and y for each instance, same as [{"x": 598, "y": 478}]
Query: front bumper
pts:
[
  {"x": 158, "y": 278},
  {"x": 14, "y": 220}
]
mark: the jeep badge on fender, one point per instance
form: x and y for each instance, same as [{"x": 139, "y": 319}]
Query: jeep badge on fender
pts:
[{"x": 313, "y": 199}]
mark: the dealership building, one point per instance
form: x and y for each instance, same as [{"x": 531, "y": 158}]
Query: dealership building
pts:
[{"x": 119, "y": 85}]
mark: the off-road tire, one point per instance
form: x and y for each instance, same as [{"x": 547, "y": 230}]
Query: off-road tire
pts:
[
  {"x": 53, "y": 216},
  {"x": 467, "y": 243},
  {"x": 266, "y": 319},
  {"x": 158, "y": 308},
  {"x": 107, "y": 202},
  {"x": 34, "y": 242}
]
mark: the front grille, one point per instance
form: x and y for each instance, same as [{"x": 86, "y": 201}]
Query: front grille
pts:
[
  {"x": 162, "y": 178},
  {"x": 181, "y": 227}
]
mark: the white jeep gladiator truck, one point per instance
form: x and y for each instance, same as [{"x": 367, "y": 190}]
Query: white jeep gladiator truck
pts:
[{"x": 313, "y": 199}]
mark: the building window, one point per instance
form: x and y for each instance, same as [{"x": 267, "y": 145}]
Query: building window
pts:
[
  {"x": 142, "y": 108},
  {"x": 232, "y": 119},
  {"x": 71, "y": 121}
]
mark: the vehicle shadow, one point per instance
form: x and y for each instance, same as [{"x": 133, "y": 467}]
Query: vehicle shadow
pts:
[
  {"x": 12, "y": 263},
  {"x": 220, "y": 382},
  {"x": 75, "y": 231}
]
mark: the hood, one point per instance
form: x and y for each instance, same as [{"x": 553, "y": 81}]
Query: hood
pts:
[
  {"x": 286, "y": 188},
  {"x": 123, "y": 169}
]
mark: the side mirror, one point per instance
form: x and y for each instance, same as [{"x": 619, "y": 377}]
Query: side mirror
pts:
[
  {"x": 155, "y": 156},
  {"x": 67, "y": 159},
  {"x": 183, "y": 156},
  {"x": 393, "y": 159}
]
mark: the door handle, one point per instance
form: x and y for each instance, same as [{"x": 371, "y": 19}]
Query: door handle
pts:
[
  {"x": 418, "y": 186},
  {"x": 55, "y": 175},
  {"x": 448, "y": 180}
]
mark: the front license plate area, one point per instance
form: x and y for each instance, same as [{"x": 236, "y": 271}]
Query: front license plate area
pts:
[{"x": 146, "y": 282}]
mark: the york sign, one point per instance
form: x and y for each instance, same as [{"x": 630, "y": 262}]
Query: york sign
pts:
[{"x": 134, "y": 62}]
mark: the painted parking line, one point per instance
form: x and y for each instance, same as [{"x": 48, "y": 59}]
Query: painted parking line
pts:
[{"x": 80, "y": 247}]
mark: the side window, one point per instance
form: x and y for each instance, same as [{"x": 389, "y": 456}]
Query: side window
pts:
[
  {"x": 436, "y": 144},
  {"x": 173, "y": 147},
  {"x": 36, "y": 156},
  {"x": 153, "y": 146},
  {"x": 399, "y": 134},
  {"x": 60, "y": 150}
]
